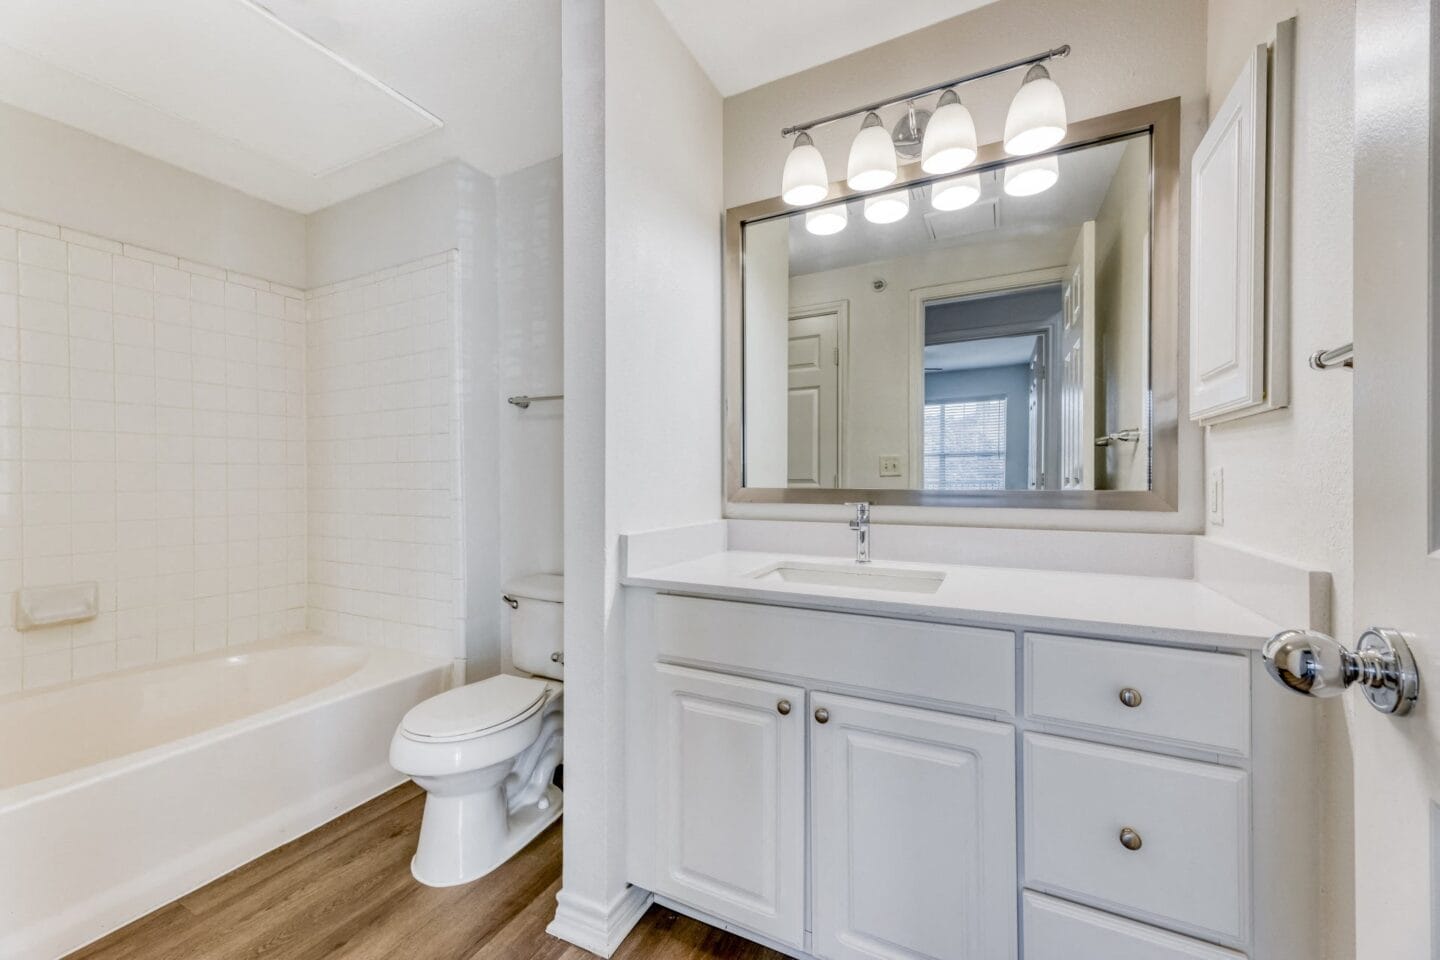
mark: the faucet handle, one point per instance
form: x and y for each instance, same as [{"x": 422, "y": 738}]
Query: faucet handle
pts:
[{"x": 862, "y": 509}]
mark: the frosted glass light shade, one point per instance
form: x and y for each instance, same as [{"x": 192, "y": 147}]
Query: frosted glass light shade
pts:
[
  {"x": 1029, "y": 177},
  {"x": 872, "y": 157},
  {"x": 950, "y": 143},
  {"x": 827, "y": 220},
  {"x": 887, "y": 207},
  {"x": 957, "y": 193},
  {"x": 1036, "y": 120},
  {"x": 804, "y": 180}
]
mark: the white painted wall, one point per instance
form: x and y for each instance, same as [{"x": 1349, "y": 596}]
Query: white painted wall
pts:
[
  {"x": 1125, "y": 53},
  {"x": 1288, "y": 476},
  {"x": 451, "y": 207},
  {"x": 642, "y": 377},
  {"x": 61, "y": 175},
  {"x": 530, "y": 308}
]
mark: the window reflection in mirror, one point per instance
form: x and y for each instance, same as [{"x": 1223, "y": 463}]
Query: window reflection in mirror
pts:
[{"x": 1000, "y": 346}]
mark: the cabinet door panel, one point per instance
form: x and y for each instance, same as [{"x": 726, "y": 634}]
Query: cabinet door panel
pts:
[
  {"x": 913, "y": 833},
  {"x": 732, "y": 805}
]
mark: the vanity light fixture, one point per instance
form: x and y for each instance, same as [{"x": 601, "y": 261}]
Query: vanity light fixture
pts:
[
  {"x": 888, "y": 207},
  {"x": 1036, "y": 120},
  {"x": 827, "y": 220},
  {"x": 1026, "y": 178},
  {"x": 872, "y": 156},
  {"x": 957, "y": 193},
  {"x": 950, "y": 141},
  {"x": 805, "y": 180}
]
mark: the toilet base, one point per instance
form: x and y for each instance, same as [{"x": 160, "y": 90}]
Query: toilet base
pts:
[{"x": 450, "y": 853}]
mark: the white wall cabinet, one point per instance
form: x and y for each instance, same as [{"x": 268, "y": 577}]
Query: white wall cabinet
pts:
[
  {"x": 732, "y": 804},
  {"x": 1240, "y": 243},
  {"x": 912, "y": 819}
]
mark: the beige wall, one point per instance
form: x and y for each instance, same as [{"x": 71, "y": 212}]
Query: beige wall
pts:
[
  {"x": 1288, "y": 473},
  {"x": 1121, "y": 229},
  {"x": 62, "y": 175},
  {"x": 1126, "y": 53}
]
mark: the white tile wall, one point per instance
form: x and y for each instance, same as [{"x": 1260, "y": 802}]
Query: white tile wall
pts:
[
  {"x": 385, "y": 519},
  {"x": 152, "y": 438}
]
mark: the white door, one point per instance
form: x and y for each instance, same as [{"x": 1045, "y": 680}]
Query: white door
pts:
[
  {"x": 912, "y": 833},
  {"x": 814, "y": 426},
  {"x": 1397, "y": 570},
  {"x": 1077, "y": 387},
  {"x": 731, "y": 811}
]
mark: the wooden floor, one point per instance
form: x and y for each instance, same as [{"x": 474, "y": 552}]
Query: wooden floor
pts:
[{"x": 345, "y": 891}]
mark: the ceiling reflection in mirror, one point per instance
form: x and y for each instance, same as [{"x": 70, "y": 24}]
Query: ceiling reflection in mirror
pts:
[{"x": 989, "y": 332}]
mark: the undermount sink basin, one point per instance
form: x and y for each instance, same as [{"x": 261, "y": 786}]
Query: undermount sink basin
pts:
[{"x": 865, "y": 577}]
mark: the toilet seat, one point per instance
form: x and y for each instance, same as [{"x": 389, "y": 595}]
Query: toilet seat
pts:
[{"x": 475, "y": 709}]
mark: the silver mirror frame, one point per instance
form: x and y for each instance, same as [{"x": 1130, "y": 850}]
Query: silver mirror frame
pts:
[{"x": 1162, "y": 121}]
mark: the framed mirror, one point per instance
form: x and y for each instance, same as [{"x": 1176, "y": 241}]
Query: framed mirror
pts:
[{"x": 1005, "y": 336}]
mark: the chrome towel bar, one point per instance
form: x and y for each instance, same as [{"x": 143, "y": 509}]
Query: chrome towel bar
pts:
[
  {"x": 1341, "y": 356},
  {"x": 524, "y": 402}
]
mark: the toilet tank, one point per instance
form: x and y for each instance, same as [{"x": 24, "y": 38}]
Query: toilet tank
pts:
[{"x": 537, "y": 624}]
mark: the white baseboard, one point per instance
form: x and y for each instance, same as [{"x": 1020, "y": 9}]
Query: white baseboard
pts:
[{"x": 591, "y": 926}]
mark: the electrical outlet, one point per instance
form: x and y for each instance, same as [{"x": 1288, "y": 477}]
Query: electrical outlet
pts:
[
  {"x": 889, "y": 465},
  {"x": 1215, "y": 496}
]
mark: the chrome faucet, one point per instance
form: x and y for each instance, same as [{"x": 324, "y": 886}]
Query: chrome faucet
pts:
[{"x": 861, "y": 526}]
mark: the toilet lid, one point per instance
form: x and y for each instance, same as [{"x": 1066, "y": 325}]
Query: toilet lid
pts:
[{"x": 476, "y": 707}]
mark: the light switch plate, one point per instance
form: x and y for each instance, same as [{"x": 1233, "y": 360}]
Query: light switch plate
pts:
[
  {"x": 889, "y": 465},
  {"x": 1215, "y": 496}
]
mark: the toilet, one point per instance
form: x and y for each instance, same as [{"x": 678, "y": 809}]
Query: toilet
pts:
[{"x": 486, "y": 753}]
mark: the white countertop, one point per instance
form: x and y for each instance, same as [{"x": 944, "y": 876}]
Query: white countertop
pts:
[{"x": 1160, "y": 609}]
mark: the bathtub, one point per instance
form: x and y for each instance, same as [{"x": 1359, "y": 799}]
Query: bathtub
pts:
[{"x": 122, "y": 793}]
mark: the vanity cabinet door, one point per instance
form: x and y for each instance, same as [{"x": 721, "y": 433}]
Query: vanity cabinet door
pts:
[
  {"x": 731, "y": 810},
  {"x": 913, "y": 833}
]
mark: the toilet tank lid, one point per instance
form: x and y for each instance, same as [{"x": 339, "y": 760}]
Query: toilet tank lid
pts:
[{"x": 538, "y": 586}]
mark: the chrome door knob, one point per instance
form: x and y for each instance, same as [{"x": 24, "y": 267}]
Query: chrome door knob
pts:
[
  {"x": 822, "y": 715},
  {"x": 1316, "y": 665},
  {"x": 1129, "y": 839},
  {"x": 783, "y": 708},
  {"x": 1131, "y": 697}
]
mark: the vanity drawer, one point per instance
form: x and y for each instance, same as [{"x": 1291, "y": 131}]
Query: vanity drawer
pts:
[
  {"x": 963, "y": 665},
  {"x": 1056, "y": 930},
  {"x": 1186, "y": 697},
  {"x": 1190, "y": 866}
]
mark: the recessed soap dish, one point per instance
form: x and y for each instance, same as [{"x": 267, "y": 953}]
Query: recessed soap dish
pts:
[{"x": 37, "y": 607}]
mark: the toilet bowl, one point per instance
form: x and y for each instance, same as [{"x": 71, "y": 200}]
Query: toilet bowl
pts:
[{"x": 485, "y": 753}]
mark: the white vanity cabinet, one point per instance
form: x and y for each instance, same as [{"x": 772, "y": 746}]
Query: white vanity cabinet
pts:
[
  {"x": 911, "y": 818},
  {"x": 731, "y": 810},
  {"x": 861, "y": 787},
  {"x": 912, "y": 826}
]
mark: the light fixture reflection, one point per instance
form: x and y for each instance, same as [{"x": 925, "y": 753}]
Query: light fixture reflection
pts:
[
  {"x": 1029, "y": 177},
  {"x": 950, "y": 141},
  {"x": 827, "y": 220},
  {"x": 1036, "y": 120},
  {"x": 887, "y": 207},
  {"x": 872, "y": 156},
  {"x": 957, "y": 193}
]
